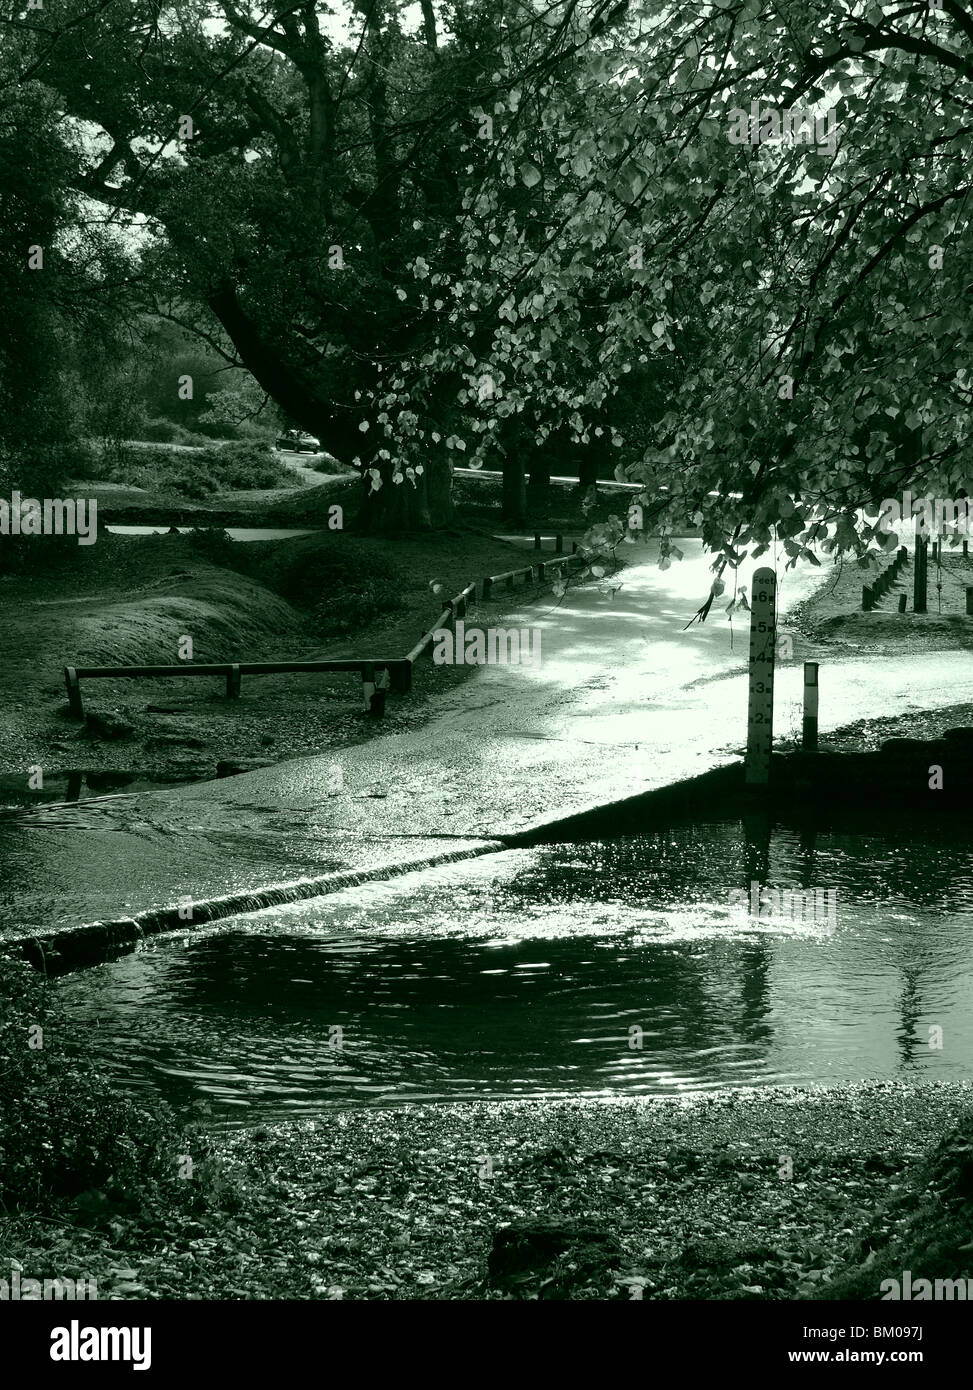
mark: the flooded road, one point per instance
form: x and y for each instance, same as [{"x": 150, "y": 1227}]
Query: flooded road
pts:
[
  {"x": 620, "y": 967},
  {"x": 236, "y": 533}
]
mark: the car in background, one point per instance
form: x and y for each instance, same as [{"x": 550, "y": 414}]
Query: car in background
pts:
[{"x": 298, "y": 442}]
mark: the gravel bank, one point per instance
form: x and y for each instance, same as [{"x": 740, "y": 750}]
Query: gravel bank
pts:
[{"x": 752, "y": 1194}]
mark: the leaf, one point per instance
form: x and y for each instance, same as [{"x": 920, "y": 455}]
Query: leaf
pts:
[{"x": 530, "y": 174}]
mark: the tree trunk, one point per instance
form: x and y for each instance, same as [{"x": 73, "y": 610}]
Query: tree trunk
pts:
[
  {"x": 539, "y": 486},
  {"x": 513, "y": 504},
  {"x": 291, "y": 382},
  {"x": 406, "y": 506},
  {"x": 587, "y": 468},
  {"x": 513, "y": 492},
  {"x": 425, "y": 505}
]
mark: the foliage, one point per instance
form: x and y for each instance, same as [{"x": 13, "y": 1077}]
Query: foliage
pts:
[
  {"x": 737, "y": 272},
  {"x": 218, "y": 468},
  {"x": 531, "y": 207},
  {"x": 163, "y": 431},
  {"x": 319, "y": 172},
  {"x": 343, "y": 591},
  {"x": 247, "y": 464}
]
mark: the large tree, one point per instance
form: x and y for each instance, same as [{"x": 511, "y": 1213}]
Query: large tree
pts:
[
  {"x": 459, "y": 241},
  {"x": 297, "y": 176}
]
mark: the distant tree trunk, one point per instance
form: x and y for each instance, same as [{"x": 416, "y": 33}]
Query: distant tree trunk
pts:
[
  {"x": 587, "y": 468},
  {"x": 539, "y": 486},
  {"x": 513, "y": 498},
  {"x": 513, "y": 503}
]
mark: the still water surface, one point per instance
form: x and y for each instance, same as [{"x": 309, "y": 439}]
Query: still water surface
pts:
[{"x": 524, "y": 973}]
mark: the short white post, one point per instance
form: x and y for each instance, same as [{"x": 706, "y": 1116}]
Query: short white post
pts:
[
  {"x": 368, "y": 686},
  {"x": 810, "y": 707}
]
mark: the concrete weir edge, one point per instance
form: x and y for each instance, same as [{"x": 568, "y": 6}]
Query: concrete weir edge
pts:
[
  {"x": 897, "y": 772},
  {"x": 68, "y": 948}
]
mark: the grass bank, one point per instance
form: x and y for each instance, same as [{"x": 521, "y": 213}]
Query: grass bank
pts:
[
  {"x": 135, "y": 600},
  {"x": 832, "y": 618}
]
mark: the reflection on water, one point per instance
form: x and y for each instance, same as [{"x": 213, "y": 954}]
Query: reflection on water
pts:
[
  {"x": 76, "y": 784},
  {"x": 611, "y": 968}
]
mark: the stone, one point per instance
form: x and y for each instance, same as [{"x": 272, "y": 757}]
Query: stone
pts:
[
  {"x": 898, "y": 747},
  {"x": 232, "y": 767},
  {"x": 531, "y": 1246}
]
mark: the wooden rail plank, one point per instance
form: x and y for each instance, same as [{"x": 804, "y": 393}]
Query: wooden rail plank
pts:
[{"x": 399, "y": 671}]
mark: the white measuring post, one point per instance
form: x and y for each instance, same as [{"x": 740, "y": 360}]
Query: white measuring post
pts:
[{"x": 760, "y": 708}]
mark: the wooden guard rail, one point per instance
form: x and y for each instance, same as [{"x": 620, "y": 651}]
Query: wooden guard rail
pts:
[
  {"x": 530, "y": 572},
  {"x": 871, "y": 593},
  {"x": 399, "y": 668}
]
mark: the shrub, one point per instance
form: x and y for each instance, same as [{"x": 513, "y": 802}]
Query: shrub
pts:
[
  {"x": 247, "y": 464},
  {"x": 63, "y": 1129},
  {"x": 83, "y": 459},
  {"x": 215, "y": 546},
  {"x": 163, "y": 431},
  {"x": 159, "y": 431},
  {"x": 349, "y": 608},
  {"x": 218, "y": 429},
  {"x": 343, "y": 592}
]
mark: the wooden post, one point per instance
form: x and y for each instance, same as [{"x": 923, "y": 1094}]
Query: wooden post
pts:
[
  {"x": 74, "y": 692},
  {"x": 763, "y": 644},
  {"x": 868, "y": 598},
  {"x": 810, "y": 707},
  {"x": 537, "y": 540},
  {"x": 400, "y": 677},
  {"x": 558, "y": 544},
  {"x": 377, "y": 703},
  {"x": 969, "y": 603},
  {"x": 367, "y": 686},
  {"x": 487, "y": 586},
  {"x": 966, "y": 550},
  {"x": 919, "y": 576},
  {"x": 901, "y": 603},
  {"x": 233, "y": 683}
]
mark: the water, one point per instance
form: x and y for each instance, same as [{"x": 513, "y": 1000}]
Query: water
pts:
[
  {"x": 77, "y": 784},
  {"x": 523, "y": 974},
  {"x": 236, "y": 533}
]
